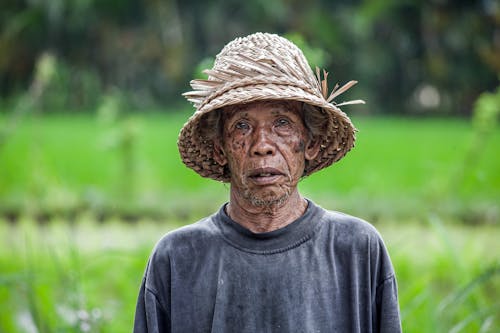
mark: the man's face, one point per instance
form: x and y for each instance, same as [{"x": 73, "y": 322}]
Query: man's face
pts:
[{"x": 265, "y": 145}]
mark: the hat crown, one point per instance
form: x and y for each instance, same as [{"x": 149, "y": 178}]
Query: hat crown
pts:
[
  {"x": 275, "y": 54},
  {"x": 257, "y": 58}
]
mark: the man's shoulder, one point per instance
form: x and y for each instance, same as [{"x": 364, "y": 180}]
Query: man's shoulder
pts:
[
  {"x": 350, "y": 229},
  {"x": 188, "y": 237},
  {"x": 355, "y": 238},
  {"x": 349, "y": 222}
]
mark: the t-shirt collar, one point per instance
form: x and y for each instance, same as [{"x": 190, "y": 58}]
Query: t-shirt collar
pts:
[{"x": 290, "y": 236}]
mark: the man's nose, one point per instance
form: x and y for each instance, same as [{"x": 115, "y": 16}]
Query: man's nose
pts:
[{"x": 262, "y": 143}]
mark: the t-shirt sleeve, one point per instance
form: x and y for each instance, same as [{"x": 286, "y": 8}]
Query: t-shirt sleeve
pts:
[
  {"x": 152, "y": 310},
  {"x": 150, "y": 316},
  {"x": 388, "y": 307}
]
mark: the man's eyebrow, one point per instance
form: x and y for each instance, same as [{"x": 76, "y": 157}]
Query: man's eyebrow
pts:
[
  {"x": 238, "y": 115},
  {"x": 279, "y": 112}
]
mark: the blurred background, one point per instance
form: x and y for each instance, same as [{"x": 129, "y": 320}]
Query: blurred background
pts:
[{"x": 90, "y": 175}]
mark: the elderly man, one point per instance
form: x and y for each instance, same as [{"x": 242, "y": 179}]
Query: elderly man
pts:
[{"x": 269, "y": 260}]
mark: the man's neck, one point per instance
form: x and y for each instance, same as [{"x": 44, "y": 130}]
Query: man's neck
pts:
[{"x": 266, "y": 218}]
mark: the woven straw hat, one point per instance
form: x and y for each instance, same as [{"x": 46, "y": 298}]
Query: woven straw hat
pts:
[{"x": 263, "y": 66}]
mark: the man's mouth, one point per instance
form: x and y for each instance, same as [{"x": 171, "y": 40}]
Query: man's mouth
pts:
[{"x": 265, "y": 176}]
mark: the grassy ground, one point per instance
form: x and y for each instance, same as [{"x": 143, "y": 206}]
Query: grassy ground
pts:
[{"x": 85, "y": 277}]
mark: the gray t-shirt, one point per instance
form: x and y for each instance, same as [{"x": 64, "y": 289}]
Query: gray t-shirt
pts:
[{"x": 325, "y": 272}]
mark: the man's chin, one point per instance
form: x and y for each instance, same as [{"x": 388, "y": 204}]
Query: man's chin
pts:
[{"x": 268, "y": 199}]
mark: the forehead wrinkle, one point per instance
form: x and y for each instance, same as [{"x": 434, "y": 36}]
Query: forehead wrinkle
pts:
[
  {"x": 284, "y": 111},
  {"x": 281, "y": 108}
]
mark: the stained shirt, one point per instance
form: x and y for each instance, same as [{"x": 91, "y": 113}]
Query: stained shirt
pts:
[{"x": 324, "y": 272}]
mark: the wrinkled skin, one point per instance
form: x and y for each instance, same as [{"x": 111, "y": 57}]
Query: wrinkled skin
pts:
[{"x": 265, "y": 145}]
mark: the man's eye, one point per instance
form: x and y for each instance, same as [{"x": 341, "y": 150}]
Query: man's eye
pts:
[
  {"x": 282, "y": 122},
  {"x": 241, "y": 125}
]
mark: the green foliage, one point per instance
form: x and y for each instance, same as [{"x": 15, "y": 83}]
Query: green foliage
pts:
[
  {"x": 205, "y": 63},
  {"x": 85, "y": 277},
  {"x": 63, "y": 281},
  {"x": 442, "y": 287},
  {"x": 314, "y": 55},
  {"x": 121, "y": 134},
  {"x": 486, "y": 112},
  {"x": 57, "y": 86},
  {"x": 484, "y": 125},
  {"x": 149, "y": 49},
  {"x": 64, "y": 87}
]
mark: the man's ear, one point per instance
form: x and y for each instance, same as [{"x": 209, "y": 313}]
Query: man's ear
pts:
[
  {"x": 219, "y": 155},
  {"x": 312, "y": 149}
]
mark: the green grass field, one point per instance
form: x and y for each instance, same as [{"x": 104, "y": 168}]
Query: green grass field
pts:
[
  {"x": 399, "y": 166},
  {"x": 433, "y": 197}
]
